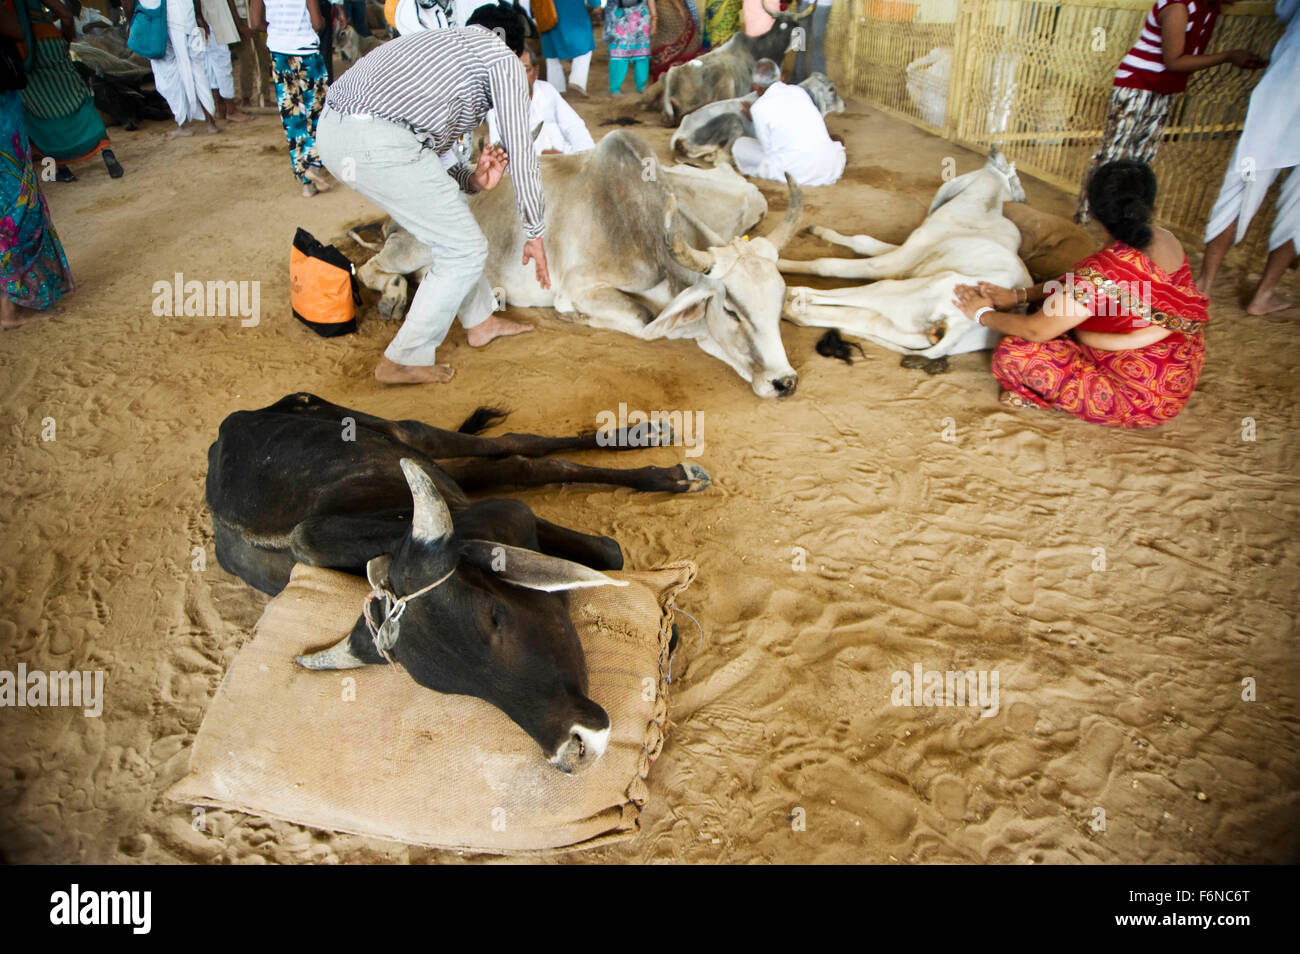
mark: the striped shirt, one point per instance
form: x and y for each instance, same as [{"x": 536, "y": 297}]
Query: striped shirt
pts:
[
  {"x": 440, "y": 84},
  {"x": 1144, "y": 66}
]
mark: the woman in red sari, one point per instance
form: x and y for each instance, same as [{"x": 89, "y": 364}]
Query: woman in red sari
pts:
[{"x": 1118, "y": 340}]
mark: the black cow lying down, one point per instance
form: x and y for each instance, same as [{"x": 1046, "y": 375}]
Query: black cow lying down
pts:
[{"x": 486, "y": 611}]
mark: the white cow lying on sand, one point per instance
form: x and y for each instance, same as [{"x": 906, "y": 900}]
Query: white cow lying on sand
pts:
[
  {"x": 638, "y": 248},
  {"x": 908, "y": 307}
]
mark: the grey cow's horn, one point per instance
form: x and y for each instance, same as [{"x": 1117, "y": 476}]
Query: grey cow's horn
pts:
[
  {"x": 768, "y": 10},
  {"x": 790, "y": 224},
  {"x": 338, "y": 656},
  {"x": 810, "y": 8},
  {"x": 686, "y": 256},
  {"x": 430, "y": 518}
]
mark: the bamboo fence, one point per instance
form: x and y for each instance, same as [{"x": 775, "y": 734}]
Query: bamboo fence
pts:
[{"x": 1033, "y": 77}]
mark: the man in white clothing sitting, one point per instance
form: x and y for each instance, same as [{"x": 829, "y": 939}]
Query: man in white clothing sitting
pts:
[
  {"x": 563, "y": 130},
  {"x": 789, "y": 134}
]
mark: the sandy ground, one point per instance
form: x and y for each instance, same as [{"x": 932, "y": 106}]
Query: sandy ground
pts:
[{"x": 1120, "y": 688}]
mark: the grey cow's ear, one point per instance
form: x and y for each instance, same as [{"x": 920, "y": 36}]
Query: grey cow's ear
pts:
[
  {"x": 532, "y": 570},
  {"x": 683, "y": 316},
  {"x": 430, "y": 518}
]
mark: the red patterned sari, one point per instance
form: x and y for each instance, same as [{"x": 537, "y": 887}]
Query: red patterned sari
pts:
[{"x": 1142, "y": 387}]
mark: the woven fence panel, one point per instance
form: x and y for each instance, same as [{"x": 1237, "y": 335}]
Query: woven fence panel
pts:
[{"x": 1033, "y": 77}]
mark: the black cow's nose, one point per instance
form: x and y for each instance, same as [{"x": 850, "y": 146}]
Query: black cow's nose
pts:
[{"x": 785, "y": 386}]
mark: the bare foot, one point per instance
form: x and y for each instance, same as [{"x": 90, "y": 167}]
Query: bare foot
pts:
[
  {"x": 318, "y": 179},
  {"x": 495, "y": 327},
  {"x": 233, "y": 115},
  {"x": 390, "y": 372},
  {"x": 181, "y": 131},
  {"x": 309, "y": 190},
  {"x": 1267, "y": 304},
  {"x": 14, "y": 316},
  {"x": 213, "y": 128}
]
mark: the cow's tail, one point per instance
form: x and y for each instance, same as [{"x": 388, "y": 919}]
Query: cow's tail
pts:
[
  {"x": 482, "y": 419},
  {"x": 833, "y": 345}
]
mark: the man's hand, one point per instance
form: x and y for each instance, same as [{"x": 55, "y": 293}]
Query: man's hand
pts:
[
  {"x": 1246, "y": 60},
  {"x": 68, "y": 28},
  {"x": 535, "y": 252},
  {"x": 744, "y": 108},
  {"x": 492, "y": 162}
]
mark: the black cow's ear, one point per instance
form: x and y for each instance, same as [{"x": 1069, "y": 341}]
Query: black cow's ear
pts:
[
  {"x": 532, "y": 570},
  {"x": 377, "y": 572}
]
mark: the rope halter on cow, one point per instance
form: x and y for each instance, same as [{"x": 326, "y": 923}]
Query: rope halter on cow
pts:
[{"x": 384, "y": 633}]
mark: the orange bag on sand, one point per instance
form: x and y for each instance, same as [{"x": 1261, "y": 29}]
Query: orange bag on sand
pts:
[{"x": 323, "y": 290}]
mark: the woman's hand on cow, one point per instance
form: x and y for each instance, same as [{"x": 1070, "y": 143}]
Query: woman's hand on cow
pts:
[
  {"x": 1003, "y": 299},
  {"x": 535, "y": 251},
  {"x": 970, "y": 299},
  {"x": 492, "y": 162}
]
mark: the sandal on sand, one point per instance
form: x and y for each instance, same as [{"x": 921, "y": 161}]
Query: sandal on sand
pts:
[{"x": 114, "y": 167}]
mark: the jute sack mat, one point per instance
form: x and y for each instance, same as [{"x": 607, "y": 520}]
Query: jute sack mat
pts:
[{"x": 370, "y": 752}]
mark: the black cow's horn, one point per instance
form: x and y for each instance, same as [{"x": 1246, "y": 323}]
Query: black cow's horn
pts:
[
  {"x": 430, "y": 518},
  {"x": 790, "y": 224},
  {"x": 686, "y": 256},
  {"x": 338, "y": 656},
  {"x": 769, "y": 12}
]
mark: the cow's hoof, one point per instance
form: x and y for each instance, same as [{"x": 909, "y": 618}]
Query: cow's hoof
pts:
[
  {"x": 694, "y": 477},
  {"x": 937, "y": 331},
  {"x": 921, "y": 363}
]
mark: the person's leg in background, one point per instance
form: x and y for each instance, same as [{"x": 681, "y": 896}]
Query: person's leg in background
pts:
[
  {"x": 356, "y": 11},
  {"x": 555, "y": 73},
  {"x": 617, "y": 73},
  {"x": 223, "y": 78},
  {"x": 641, "y": 72},
  {"x": 578, "y": 73},
  {"x": 1135, "y": 123}
]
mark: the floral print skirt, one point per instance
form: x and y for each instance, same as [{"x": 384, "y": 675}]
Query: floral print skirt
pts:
[
  {"x": 32, "y": 264},
  {"x": 300, "y": 87}
]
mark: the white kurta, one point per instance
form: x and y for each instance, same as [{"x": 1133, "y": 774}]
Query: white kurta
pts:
[
  {"x": 791, "y": 137},
  {"x": 562, "y": 128},
  {"x": 1270, "y": 142},
  {"x": 220, "y": 22},
  {"x": 181, "y": 76}
]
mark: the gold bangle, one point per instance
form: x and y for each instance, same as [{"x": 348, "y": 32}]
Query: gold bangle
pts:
[{"x": 1022, "y": 296}]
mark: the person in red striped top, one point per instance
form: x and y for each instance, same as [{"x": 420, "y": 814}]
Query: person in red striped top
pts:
[{"x": 1169, "y": 49}]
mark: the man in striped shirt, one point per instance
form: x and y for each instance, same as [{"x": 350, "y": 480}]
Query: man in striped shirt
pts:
[
  {"x": 386, "y": 121},
  {"x": 1169, "y": 49}
]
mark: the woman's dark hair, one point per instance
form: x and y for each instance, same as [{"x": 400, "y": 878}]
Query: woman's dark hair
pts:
[
  {"x": 1122, "y": 197},
  {"x": 502, "y": 20}
]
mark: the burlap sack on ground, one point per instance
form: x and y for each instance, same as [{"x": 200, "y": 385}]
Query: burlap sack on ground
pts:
[{"x": 405, "y": 763}]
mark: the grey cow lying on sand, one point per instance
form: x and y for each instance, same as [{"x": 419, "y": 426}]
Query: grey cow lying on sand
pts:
[
  {"x": 622, "y": 236},
  {"x": 708, "y": 133}
]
